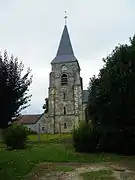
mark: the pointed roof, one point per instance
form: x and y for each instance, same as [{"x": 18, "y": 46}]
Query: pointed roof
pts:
[
  {"x": 65, "y": 46},
  {"x": 65, "y": 51}
]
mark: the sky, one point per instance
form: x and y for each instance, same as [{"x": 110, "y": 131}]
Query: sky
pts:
[{"x": 31, "y": 30}]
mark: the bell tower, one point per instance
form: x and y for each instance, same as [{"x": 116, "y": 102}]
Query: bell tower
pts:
[{"x": 65, "y": 88}]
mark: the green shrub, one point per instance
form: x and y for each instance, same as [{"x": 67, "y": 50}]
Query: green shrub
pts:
[
  {"x": 15, "y": 136},
  {"x": 126, "y": 142},
  {"x": 107, "y": 142},
  {"x": 120, "y": 142},
  {"x": 85, "y": 138},
  {"x": 31, "y": 132}
]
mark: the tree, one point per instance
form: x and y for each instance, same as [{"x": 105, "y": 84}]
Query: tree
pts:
[
  {"x": 111, "y": 103},
  {"x": 13, "y": 89},
  {"x": 45, "y": 106}
]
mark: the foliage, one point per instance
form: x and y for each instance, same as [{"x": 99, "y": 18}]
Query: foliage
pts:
[
  {"x": 31, "y": 132},
  {"x": 111, "y": 105},
  {"x": 84, "y": 138},
  {"x": 46, "y": 105},
  {"x": 15, "y": 136},
  {"x": 14, "y": 85},
  {"x": 119, "y": 142}
]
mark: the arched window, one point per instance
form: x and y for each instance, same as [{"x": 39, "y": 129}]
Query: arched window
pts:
[{"x": 64, "y": 79}]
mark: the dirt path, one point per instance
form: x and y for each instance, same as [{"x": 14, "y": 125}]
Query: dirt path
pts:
[
  {"x": 48, "y": 171},
  {"x": 75, "y": 175}
]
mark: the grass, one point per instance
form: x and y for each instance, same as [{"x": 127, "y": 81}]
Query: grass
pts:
[
  {"x": 14, "y": 165},
  {"x": 98, "y": 175},
  {"x": 50, "y": 137},
  {"x": 64, "y": 168}
]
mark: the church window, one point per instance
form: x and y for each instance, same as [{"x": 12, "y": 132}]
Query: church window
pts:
[
  {"x": 64, "y": 111},
  {"x": 64, "y": 79},
  {"x": 65, "y": 125}
]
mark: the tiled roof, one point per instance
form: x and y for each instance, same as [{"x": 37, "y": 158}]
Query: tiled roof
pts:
[
  {"x": 85, "y": 96},
  {"x": 28, "y": 119},
  {"x": 65, "y": 51}
]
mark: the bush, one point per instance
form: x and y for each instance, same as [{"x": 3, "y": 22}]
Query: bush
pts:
[
  {"x": 15, "y": 136},
  {"x": 120, "y": 142},
  {"x": 107, "y": 142},
  {"x": 126, "y": 142},
  {"x": 85, "y": 138},
  {"x": 31, "y": 132}
]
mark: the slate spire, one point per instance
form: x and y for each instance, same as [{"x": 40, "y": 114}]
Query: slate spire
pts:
[
  {"x": 65, "y": 51},
  {"x": 65, "y": 47}
]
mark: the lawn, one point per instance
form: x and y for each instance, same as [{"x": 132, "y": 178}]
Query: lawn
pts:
[
  {"x": 51, "y": 137},
  {"x": 14, "y": 165}
]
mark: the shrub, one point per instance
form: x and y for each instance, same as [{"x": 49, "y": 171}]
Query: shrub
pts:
[
  {"x": 84, "y": 138},
  {"x": 15, "y": 136},
  {"x": 120, "y": 142},
  {"x": 126, "y": 142},
  {"x": 107, "y": 142},
  {"x": 31, "y": 132}
]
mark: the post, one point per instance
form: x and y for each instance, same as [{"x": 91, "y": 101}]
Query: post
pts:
[
  {"x": 39, "y": 132},
  {"x": 60, "y": 127},
  {"x": 54, "y": 110}
]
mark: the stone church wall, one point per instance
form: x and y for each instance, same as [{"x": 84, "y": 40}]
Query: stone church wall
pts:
[{"x": 65, "y": 124}]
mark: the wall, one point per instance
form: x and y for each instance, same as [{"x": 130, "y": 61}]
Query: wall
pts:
[
  {"x": 72, "y": 101},
  {"x": 40, "y": 125},
  {"x": 65, "y": 124}
]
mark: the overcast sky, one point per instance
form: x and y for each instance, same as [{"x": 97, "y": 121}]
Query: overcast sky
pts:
[{"x": 31, "y": 30}]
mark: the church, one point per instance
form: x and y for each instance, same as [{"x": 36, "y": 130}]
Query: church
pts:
[{"x": 66, "y": 98}]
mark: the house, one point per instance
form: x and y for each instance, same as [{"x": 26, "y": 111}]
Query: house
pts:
[{"x": 34, "y": 122}]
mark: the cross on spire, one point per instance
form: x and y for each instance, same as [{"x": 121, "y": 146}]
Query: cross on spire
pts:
[{"x": 65, "y": 17}]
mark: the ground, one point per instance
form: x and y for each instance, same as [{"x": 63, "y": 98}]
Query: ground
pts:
[
  {"x": 54, "y": 158},
  {"x": 81, "y": 171}
]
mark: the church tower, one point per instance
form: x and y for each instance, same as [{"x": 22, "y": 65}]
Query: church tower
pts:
[{"x": 65, "y": 88}]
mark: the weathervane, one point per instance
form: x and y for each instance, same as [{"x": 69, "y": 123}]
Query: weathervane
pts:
[{"x": 65, "y": 17}]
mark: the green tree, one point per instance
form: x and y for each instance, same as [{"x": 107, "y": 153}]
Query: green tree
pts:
[
  {"x": 45, "y": 106},
  {"x": 13, "y": 89},
  {"x": 111, "y": 103},
  {"x": 15, "y": 136}
]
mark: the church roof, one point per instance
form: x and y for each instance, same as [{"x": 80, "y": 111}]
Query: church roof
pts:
[
  {"x": 29, "y": 119},
  {"x": 65, "y": 51}
]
